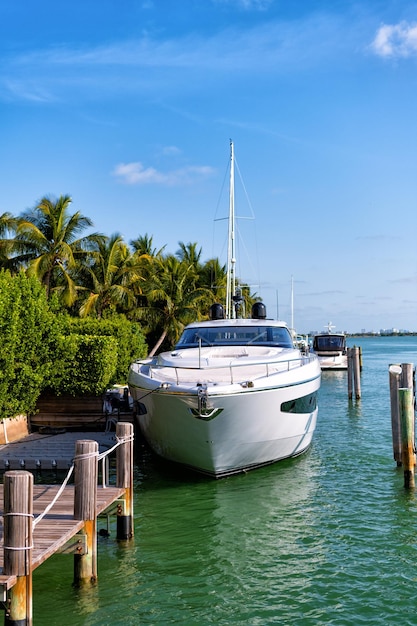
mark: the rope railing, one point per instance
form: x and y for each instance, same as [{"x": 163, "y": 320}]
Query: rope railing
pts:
[
  {"x": 19, "y": 560},
  {"x": 100, "y": 457},
  {"x": 58, "y": 494}
]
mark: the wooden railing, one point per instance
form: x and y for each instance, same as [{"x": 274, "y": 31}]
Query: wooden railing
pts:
[{"x": 20, "y": 525}]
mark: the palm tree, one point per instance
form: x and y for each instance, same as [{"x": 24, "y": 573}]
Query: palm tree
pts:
[
  {"x": 112, "y": 278},
  {"x": 189, "y": 253},
  {"x": 171, "y": 299},
  {"x": 143, "y": 245},
  {"x": 7, "y": 227},
  {"x": 47, "y": 245},
  {"x": 213, "y": 277}
]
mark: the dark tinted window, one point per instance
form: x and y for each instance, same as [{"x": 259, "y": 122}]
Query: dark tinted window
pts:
[
  {"x": 233, "y": 336},
  {"x": 329, "y": 343}
]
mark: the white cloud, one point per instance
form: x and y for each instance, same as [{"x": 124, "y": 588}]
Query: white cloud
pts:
[
  {"x": 268, "y": 46},
  {"x": 170, "y": 151},
  {"x": 28, "y": 91},
  {"x": 152, "y": 65},
  {"x": 136, "y": 174},
  {"x": 247, "y": 5},
  {"x": 397, "y": 40}
]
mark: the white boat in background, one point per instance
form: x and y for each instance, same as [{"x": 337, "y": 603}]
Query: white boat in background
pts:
[
  {"x": 234, "y": 394},
  {"x": 331, "y": 349},
  {"x": 301, "y": 342}
]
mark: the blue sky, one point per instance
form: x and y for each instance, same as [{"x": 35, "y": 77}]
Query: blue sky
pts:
[{"x": 128, "y": 106}]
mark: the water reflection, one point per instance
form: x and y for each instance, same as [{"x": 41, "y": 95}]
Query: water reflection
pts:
[
  {"x": 208, "y": 541},
  {"x": 328, "y": 538}
]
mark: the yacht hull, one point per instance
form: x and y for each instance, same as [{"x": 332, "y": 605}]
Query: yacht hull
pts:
[
  {"x": 336, "y": 362},
  {"x": 220, "y": 428}
]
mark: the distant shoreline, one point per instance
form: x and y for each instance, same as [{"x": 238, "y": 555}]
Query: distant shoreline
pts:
[{"x": 413, "y": 334}]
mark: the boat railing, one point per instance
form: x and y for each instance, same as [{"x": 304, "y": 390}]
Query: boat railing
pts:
[{"x": 236, "y": 370}]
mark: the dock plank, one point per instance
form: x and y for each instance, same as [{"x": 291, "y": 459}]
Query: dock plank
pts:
[
  {"x": 57, "y": 529},
  {"x": 58, "y": 526},
  {"x": 48, "y": 452}
]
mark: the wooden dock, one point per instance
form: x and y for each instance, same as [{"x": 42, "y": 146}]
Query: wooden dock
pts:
[
  {"x": 58, "y": 527},
  {"x": 41, "y": 520},
  {"x": 53, "y": 451}
]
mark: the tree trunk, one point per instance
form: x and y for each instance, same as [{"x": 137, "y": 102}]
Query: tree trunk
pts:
[{"x": 158, "y": 343}]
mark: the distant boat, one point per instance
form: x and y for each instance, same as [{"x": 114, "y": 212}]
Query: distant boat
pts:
[
  {"x": 301, "y": 342},
  {"x": 331, "y": 349},
  {"x": 234, "y": 394}
]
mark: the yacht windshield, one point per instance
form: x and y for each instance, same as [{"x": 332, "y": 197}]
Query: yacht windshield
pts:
[
  {"x": 236, "y": 336},
  {"x": 330, "y": 342}
]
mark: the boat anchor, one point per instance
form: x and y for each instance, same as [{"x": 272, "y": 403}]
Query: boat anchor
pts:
[{"x": 204, "y": 412}]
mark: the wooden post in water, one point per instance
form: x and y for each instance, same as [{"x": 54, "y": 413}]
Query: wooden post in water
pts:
[
  {"x": 18, "y": 519},
  {"x": 124, "y": 479},
  {"x": 85, "y": 496},
  {"x": 350, "y": 373},
  {"x": 407, "y": 381},
  {"x": 407, "y": 375},
  {"x": 356, "y": 372},
  {"x": 405, "y": 397},
  {"x": 394, "y": 378}
]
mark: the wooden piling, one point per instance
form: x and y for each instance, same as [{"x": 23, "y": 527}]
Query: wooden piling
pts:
[
  {"x": 25, "y": 544},
  {"x": 350, "y": 373},
  {"x": 405, "y": 397},
  {"x": 356, "y": 372},
  {"x": 407, "y": 381},
  {"x": 394, "y": 378},
  {"x": 18, "y": 523},
  {"x": 85, "y": 496},
  {"x": 124, "y": 479}
]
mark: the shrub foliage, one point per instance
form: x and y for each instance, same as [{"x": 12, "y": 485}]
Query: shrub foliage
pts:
[
  {"x": 45, "y": 350},
  {"x": 28, "y": 333}
]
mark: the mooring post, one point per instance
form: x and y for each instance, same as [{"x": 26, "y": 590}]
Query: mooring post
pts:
[
  {"x": 85, "y": 497},
  {"x": 405, "y": 397},
  {"x": 407, "y": 381},
  {"x": 350, "y": 373},
  {"x": 18, "y": 523},
  {"x": 394, "y": 379},
  {"x": 356, "y": 372},
  {"x": 124, "y": 479}
]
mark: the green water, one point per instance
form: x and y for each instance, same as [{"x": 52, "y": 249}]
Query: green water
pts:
[{"x": 328, "y": 538}]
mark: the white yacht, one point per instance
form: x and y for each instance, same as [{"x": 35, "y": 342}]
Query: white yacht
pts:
[
  {"x": 234, "y": 394},
  {"x": 331, "y": 350}
]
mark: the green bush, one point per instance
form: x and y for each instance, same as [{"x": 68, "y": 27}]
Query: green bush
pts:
[
  {"x": 28, "y": 331},
  {"x": 44, "y": 349},
  {"x": 130, "y": 339},
  {"x": 84, "y": 365}
]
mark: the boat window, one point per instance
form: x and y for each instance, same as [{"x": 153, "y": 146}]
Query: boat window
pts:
[
  {"x": 331, "y": 342},
  {"x": 232, "y": 335},
  {"x": 306, "y": 404}
]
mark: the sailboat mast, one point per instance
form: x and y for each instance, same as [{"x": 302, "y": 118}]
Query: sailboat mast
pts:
[
  {"x": 292, "y": 304},
  {"x": 231, "y": 260}
]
